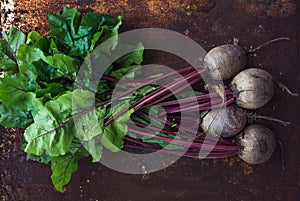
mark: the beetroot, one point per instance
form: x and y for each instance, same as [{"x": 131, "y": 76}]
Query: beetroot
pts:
[
  {"x": 258, "y": 144},
  {"x": 225, "y": 61},
  {"x": 226, "y": 121},
  {"x": 253, "y": 88}
]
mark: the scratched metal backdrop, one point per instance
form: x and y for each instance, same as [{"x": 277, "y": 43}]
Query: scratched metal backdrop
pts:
[{"x": 209, "y": 23}]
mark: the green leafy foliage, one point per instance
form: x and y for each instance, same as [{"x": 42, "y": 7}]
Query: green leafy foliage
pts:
[
  {"x": 42, "y": 158},
  {"x": 47, "y": 135},
  {"x": 38, "y": 41},
  {"x": 65, "y": 165},
  {"x": 115, "y": 132},
  {"x": 13, "y": 117},
  {"x": 94, "y": 147},
  {"x": 15, "y": 38},
  {"x": 75, "y": 34},
  {"x": 62, "y": 124},
  {"x": 28, "y": 54},
  {"x": 14, "y": 88},
  {"x": 7, "y": 57},
  {"x": 63, "y": 66}
]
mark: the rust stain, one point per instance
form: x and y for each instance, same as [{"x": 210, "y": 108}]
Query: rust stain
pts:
[
  {"x": 231, "y": 162},
  {"x": 225, "y": 160},
  {"x": 278, "y": 8},
  {"x": 31, "y": 14},
  {"x": 214, "y": 162},
  {"x": 187, "y": 7},
  {"x": 282, "y": 8},
  {"x": 247, "y": 168},
  {"x": 111, "y": 7}
]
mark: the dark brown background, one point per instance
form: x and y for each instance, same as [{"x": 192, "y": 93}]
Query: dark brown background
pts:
[{"x": 209, "y": 23}]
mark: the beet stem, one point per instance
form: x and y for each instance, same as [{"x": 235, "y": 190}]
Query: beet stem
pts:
[
  {"x": 187, "y": 153},
  {"x": 255, "y": 116},
  {"x": 199, "y": 98},
  {"x": 148, "y": 98},
  {"x": 184, "y": 130},
  {"x": 203, "y": 106},
  {"x": 191, "y": 82},
  {"x": 282, "y": 159},
  {"x": 187, "y": 144},
  {"x": 285, "y": 88},
  {"x": 267, "y": 43}
]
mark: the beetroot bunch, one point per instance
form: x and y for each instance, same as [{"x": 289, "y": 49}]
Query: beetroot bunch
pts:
[
  {"x": 224, "y": 112},
  {"x": 68, "y": 114}
]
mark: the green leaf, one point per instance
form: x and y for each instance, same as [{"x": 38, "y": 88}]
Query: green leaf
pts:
[
  {"x": 103, "y": 86},
  {"x": 145, "y": 119},
  {"x": 64, "y": 166},
  {"x": 92, "y": 23},
  {"x": 94, "y": 147},
  {"x": 28, "y": 54},
  {"x": 15, "y": 38},
  {"x": 14, "y": 89},
  {"x": 82, "y": 100},
  {"x": 38, "y": 41},
  {"x": 12, "y": 117},
  {"x": 7, "y": 58},
  {"x": 106, "y": 25},
  {"x": 120, "y": 73},
  {"x": 95, "y": 40},
  {"x": 113, "y": 36},
  {"x": 40, "y": 68},
  {"x": 53, "y": 46},
  {"x": 114, "y": 133},
  {"x": 62, "y": 169},
  {"x": 49, "y": 134},
  {"x": 62, "y": 25},
  {"x": 135, "y": 57},
  {"x": 53, "y": 89},
  {"x": 141, "y": 92},
  {"x": 64, "y": 66},
  {"x": 89, "y": 125},
  {"x": 141, "y": 118},
  {"x": 126, "y": 66},
  {"x": 41, "y": 159},
  {"x": 74, "y": 34}
]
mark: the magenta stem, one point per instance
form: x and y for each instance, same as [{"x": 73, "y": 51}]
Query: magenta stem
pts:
[
  {"x": 148, "y": 98},
  {"x": 187, "y": 144},
  {"x": 203, "y": 97},
  {"x": 210, "y": 155}
]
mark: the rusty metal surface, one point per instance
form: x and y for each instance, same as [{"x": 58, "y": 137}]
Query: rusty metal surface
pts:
[{"x": 209, "y": 23}]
